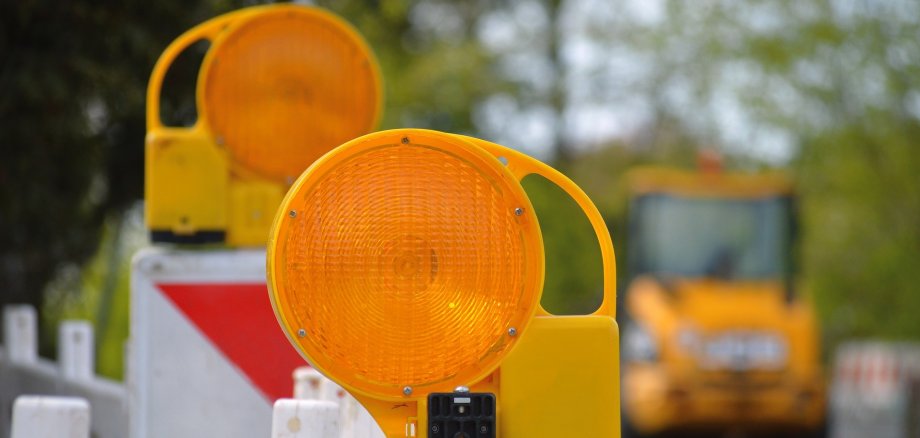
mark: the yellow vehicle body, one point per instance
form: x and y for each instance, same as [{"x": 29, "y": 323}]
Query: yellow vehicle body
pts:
[{"x": 721, "y": 352}]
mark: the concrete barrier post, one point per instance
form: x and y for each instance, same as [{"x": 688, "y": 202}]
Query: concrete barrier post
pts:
[
  {"x": 331, "y": 391},
  {"x": 76, "y": 350},
  {"x": 20, "y": 328},
  {"x": 354, "y": 420},
  {"x": 50, "y": 417},
  {"x": 308, "y": 384}
]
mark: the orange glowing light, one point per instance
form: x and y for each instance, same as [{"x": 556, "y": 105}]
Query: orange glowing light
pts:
[
  {"x": 291, "y": 80},
  {"x": 403, "y": 259}
]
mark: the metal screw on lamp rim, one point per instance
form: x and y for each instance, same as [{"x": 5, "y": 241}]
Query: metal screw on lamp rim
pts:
[
  {"x": 518, "y": 211},
  {"x": 462, "y": 389},
  {"x": 512, "y": 331},
  {"x": 407, "y": 390},
  {"x": 405, "y": 140},
  {"x": 301, "y": 333},
  {"x": 292, "y": 213}
]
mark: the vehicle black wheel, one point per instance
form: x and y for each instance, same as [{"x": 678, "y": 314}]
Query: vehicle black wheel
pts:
[{"x": 627, "y": 430}]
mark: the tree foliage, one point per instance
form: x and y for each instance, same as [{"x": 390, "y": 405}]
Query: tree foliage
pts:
[
  {"x": 72, "y": 88},
  {"x": 831, "y": 87}
]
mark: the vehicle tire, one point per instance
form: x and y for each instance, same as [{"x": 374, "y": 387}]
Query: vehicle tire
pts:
[{"x": 627, "y": 430}]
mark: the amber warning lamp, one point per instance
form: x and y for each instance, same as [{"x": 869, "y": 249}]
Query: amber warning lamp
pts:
[
  {"x": 407, "y": 265},
  {"x": 278, "y": 87}
]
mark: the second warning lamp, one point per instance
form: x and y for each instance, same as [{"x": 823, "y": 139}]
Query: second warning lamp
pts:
[{"x": 278, "y": 87}]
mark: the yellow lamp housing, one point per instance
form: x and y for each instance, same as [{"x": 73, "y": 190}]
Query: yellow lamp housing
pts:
[
  {"x": 279, "y": 86},
  {"x": 407, "y": 266}
]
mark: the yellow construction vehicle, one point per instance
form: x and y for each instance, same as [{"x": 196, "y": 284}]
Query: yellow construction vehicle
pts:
[{"x": 717, "y": 338}]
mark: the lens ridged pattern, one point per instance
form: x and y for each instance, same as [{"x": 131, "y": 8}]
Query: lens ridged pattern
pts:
[
  {"x": 405, "y": 265},
  {"x": 285, "y": 88}
]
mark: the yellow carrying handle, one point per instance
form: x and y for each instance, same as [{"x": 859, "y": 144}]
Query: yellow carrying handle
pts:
[
  {"x": 209, "y": 30},
  {"x": 520, "y": 165}
]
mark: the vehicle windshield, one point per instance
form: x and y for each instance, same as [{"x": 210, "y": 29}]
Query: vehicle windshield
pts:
[{"x": 711, "y": 237}]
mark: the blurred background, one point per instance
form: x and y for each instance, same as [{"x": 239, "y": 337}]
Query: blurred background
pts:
[{"x": 826, "y": 92}]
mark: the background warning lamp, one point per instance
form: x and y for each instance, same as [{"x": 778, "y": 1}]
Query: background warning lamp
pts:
[
  {"x": 278, "y": 87},
  {"x": 407, "y": 263}
]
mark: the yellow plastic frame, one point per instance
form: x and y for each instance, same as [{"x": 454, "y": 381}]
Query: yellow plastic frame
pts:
[
  {"x": 209, "y": 31},
  {"x": 396, "y": 415},
  {"x": 521, "y": 165}
]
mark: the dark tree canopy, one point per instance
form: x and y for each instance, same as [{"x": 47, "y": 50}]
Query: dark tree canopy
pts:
[{"x": 72, "y": 82}]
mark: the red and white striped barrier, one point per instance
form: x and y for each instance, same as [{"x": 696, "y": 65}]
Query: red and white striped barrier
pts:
[
  {"x": 207, "y": 355},
  {"x": 874, "y": 390},
  {"x": 203, "y": 333}
]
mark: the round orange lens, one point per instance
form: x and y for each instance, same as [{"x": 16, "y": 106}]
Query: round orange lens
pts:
[
  {"x": 287, "y": 85},
  {"x": 404, "y": 259}
]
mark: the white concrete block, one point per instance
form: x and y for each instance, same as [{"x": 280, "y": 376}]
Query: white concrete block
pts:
[
  {"x": 76, "y": 350},
  {"x": 331, "y": 391},
  {"x": 355, "y": 421},
  {"x": 308, "y": 384},
  {"x": 50, "y": 417},
  {"x": 20, "y": 328},
  {"x": 305, "y": 419}
]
